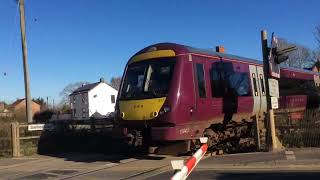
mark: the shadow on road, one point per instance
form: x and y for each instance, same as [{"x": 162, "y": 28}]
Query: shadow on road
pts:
[{"x": 86, "y": 146}]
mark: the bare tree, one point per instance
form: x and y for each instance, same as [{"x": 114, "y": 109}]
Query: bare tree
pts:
[
  {"x": 300, "y": 58},
  {"x": 316, "y": 55},
  {"x": 317, "y": 35},
  {"x": 115, "y": 82},
  {"x": 64, "y": 94},
  {"x": 316, "y": 58}
]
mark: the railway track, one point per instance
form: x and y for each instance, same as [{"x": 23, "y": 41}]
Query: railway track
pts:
[
  {"x": 86, "y": 168},
  {"x": 95, "y": 170}
]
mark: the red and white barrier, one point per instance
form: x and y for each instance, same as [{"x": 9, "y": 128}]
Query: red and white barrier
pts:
[{"x": 191, "y": 163}]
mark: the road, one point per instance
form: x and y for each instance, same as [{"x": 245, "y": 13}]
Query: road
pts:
[
  {"x": 271, "y": 165},
  {"x": 291, "y": 165},
  {"x": 84, "y": 166},
  {"x": 246, "y": 175}
]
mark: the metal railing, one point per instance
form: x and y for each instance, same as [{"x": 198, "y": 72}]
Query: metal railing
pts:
[{"x": 299, "y": 129}]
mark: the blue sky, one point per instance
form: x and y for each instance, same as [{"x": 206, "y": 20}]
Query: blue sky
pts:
[{"x": 83, "y": 40}]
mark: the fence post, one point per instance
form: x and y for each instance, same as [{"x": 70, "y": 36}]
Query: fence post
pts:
[{"x": 15, "y": 138}]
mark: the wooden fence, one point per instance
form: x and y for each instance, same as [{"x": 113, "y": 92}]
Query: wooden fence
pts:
[
  {"x": 19, "y": 139},
  {"x": 5, "y": 140},
  {"x": 19, "y": 136}
]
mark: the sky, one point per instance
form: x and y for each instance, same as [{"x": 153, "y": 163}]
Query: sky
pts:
[{"x": 82, "y": 40}]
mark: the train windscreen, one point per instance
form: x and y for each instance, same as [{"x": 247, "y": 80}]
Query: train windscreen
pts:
[{"x": 148, "y": 79}]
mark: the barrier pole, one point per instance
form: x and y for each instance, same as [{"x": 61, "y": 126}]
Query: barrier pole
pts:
[{"x": 191, "y": 163}]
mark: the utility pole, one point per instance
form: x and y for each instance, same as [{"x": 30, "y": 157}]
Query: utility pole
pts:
[
  {"x": 25, "y": 62},
  {"x": 47, "y": 102},
  {"x": 266, "y": 69}
]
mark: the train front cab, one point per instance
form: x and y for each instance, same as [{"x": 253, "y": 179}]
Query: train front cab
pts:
[{"x": 148, "y": 95}]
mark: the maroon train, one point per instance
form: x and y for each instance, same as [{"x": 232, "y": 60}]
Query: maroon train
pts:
[{"x": 172, "y": 92}]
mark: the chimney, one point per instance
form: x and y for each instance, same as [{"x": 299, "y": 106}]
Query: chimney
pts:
[
  {"x": 101, "y": 80},
  {"x": 220, "y": 49}
]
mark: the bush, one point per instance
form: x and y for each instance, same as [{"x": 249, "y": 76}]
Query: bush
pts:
[{"x": 44, "y": 116}]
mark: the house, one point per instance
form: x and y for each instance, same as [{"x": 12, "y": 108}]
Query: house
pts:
[
  {"x": 4, "y": 112},
  {"x": 313, "y": 68},
  {"x": 19, "y": 106},
  {"x": 96, "y": 100}
]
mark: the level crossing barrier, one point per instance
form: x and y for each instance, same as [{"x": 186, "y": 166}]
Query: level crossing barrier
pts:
[{"x": 184, "y": 169}]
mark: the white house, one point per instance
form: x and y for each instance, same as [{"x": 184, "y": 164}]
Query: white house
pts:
[{"x": 95, "y": 100}]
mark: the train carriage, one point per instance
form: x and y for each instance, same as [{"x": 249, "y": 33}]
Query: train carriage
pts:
[{"x": 172, "y": 92}]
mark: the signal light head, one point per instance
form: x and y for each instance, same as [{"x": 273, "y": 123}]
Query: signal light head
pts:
[{"x": 281, "y": 58}]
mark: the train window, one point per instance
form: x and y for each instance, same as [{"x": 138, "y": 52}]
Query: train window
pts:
[
  {"x": 201, "y": 80},
  {"x": 262, "y": 84},
  {"x": 239, "y": 82},
  {"x": 226, "y": 81},
  {"x": 255, "y": 84},
  {"x": 217, "y": 80},
  {"x": 148, "y": 79}
]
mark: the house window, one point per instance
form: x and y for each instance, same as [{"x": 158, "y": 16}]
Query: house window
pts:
[
  {"x": 201, "y": 81},
  {"x": 83, "y": 99},
  {"x": 74, "y": 99},
  {"x": 113, "y": 99}
]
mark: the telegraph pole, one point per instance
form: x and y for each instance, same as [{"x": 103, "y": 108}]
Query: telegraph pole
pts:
[
  {"x": 266, "y": 69},
  {"x": 25, "y": 62}
]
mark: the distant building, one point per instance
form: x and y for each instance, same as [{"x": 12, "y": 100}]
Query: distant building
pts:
[
  {"x": 313, "y": 68},
  {"x": 95, "y": 100},
  {"x": 19, "y": 106}
]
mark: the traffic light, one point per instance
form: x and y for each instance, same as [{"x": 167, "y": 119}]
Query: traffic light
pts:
[{"x": 281, "y": 55}]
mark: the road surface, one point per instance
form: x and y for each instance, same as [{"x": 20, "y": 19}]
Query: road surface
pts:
[{"x": 292, "y": 165}]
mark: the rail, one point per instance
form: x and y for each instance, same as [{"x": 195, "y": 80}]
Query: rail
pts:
[{"x": 183, "y": 170}]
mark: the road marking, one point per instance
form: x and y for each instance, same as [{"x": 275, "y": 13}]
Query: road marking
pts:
[{"x": 290, "y": 155}]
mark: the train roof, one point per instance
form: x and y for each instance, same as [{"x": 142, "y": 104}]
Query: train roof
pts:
[{"x": 183, "y": 49}]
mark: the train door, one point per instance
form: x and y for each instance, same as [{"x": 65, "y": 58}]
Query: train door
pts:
[
  {"x": 261, "y": 81},
  {"x": 258, "y": 89},
  {"x": 202, "y": 105}
]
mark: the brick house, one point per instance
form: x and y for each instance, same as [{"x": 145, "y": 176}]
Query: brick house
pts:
[{"x": 19, "y": 106}]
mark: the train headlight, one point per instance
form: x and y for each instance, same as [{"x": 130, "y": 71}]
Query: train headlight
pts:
[
  {"x": 155, "y": 114},
  {"x": 122, "y": 114}
]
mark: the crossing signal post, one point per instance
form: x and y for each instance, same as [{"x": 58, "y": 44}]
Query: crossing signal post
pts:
[{"x": 272, "y": 58}]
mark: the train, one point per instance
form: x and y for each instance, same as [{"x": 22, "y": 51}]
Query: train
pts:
[{"x": 176, "y": 93}]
